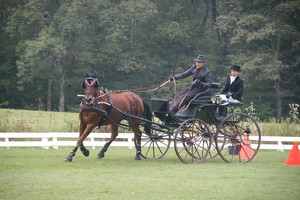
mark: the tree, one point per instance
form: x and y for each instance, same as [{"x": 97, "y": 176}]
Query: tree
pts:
[{"x": 261, "y": 34}]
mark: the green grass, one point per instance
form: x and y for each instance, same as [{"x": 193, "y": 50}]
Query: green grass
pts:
[{"x": 35, "y": 173}]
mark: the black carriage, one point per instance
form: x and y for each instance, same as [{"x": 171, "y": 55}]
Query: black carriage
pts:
[{"x": 205, "y": 128}]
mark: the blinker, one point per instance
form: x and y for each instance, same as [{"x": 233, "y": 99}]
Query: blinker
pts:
[{"x": 90, "y": 81}]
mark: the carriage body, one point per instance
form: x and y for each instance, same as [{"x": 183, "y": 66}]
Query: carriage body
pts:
[
  {"x": 160, "y": 108},
  {"x": 205, "y": 130}
]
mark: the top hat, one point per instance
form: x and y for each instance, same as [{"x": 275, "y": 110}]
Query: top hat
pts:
[
  {"x": 236, "y": 68},
  {"x": 200, "y": 58}
]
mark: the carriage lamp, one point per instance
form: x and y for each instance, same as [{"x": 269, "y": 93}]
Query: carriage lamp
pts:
[
  {"x": 213, "y": 100},
  {"x": 247, "y": 131}
]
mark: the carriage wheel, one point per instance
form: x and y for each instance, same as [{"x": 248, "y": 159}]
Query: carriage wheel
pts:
[
  {"x": 192, "y": 141},
  {"x": 242, "y": 138},
  {"x": 157, "y": 144},
  {"x": 216, "y": 139}
]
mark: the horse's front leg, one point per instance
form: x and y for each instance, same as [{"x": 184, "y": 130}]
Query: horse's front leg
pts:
[
  {"x": 69, "y": 158},
  {"x": 114, "y": 134},
  {"x": 84, "y": 150},
  {"x": 85, "y": 130}
]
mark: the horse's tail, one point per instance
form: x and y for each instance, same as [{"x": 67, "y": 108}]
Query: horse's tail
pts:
[{"x": 148, "y": 116}]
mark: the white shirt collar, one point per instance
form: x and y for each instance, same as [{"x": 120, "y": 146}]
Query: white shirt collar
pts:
[{"x": 232, "y": 78}]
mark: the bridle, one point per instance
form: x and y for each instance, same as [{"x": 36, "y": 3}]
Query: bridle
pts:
[{"x": 90, "y": 97}]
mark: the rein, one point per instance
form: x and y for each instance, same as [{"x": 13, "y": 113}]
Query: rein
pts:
[
  {"x": 153, "y": 88},
  {"x": 148, "y": 89}
]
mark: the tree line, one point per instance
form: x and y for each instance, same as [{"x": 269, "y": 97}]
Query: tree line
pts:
[{"x": 48, "y": 45}]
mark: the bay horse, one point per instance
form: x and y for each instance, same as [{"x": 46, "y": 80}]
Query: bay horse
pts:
[{"x": 102, "y": 107}]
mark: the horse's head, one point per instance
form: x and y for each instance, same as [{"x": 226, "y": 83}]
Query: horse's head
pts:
[{"x": 90, "y": 84}]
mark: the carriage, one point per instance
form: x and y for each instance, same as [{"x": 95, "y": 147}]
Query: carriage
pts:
[
  {"x": 202, "y": 131},
  {"x": 198, "y": 131}
]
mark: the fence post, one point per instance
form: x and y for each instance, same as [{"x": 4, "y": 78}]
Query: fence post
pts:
[
  {"x": 7, "y": 141},
  {"x": 280, "y": 146},
  {"x": 54, "y": 140},
  {"x": 93, "y": 141},
  {"x": 45, "y": 140},
  {"x": 130, "y": 143}
]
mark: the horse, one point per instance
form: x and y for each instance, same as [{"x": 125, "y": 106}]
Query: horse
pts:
[{"x": 102, "y": 107}]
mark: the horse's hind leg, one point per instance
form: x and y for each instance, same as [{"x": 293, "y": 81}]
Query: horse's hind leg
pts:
[
  {"x": 114, "y": 134},
  {"x": 138, "y": 135}
]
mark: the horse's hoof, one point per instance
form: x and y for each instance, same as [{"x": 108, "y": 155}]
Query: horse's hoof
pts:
[
  {"x": 86, "y": 153},
  {"x": 68, "y": 158},
  {"x": 100, "y": 155},
  {"x": 137, "y": 157}
]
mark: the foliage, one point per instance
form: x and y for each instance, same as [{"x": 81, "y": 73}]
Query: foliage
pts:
[
  {"x": 293, "y": 112},
  {"x": 49, "y": 45},
  {"x": 250, "y": 110}
]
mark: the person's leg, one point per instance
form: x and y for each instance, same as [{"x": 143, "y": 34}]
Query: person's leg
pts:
[{"x": 174, "y": 106}]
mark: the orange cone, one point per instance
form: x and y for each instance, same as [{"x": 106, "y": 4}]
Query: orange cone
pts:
[
  {"x": 294, "y": 156},
  {"x": 246, "y": 151}
]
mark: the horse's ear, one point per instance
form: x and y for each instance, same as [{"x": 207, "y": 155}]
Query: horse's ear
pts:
[
  {"x": 94, "y": 75},
  {"x": 83, "y": 84},
  {"x": 86, "y": 75}
]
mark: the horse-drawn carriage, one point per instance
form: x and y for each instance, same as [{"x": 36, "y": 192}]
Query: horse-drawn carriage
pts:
[{"x": 197, "y": 131}]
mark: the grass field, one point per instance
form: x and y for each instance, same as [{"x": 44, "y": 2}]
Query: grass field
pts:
[{"x": 36, "y": 173}]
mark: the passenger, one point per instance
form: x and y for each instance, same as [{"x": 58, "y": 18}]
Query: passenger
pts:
[
  {"x": 233, "y": 90},
  {"x": 201, "y": 81}
]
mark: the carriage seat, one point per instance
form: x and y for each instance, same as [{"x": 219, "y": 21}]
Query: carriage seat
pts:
[
  {"x": 205, "y": 96},
  {"x": 202, "y": 97}
]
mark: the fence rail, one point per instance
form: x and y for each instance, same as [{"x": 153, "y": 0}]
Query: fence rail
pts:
[{"x": 57, "y": 139}]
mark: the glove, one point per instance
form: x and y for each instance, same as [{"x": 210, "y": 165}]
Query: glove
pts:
[
  {"x": 228, "y": 95},
  {"x": 172, "y": 78},
  {"x": 197, "y": 82}
]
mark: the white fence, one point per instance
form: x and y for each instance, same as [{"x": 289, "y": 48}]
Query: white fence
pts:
[
  {"x": 54, "y": 140},
  {"x": 57, "y": 139}
]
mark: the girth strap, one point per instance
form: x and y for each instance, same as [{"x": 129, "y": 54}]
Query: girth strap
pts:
[
  {"x": 93, "y": 109},
  {"x": 108, "y": 109}
]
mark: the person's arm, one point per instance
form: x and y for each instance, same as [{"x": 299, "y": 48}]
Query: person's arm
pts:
[
  {"x": 184, "y": 74},
  {"x": 238, "y": 94},
  {"x": 226, "y": 88},
  {"x": 205, "y": 81}
]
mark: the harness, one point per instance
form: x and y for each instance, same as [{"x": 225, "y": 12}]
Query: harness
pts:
[
  {"x": 105, "y": 113},
  {"x": 108, "y": 108}
]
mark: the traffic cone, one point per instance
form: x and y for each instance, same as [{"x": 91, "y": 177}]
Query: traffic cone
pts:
[
  {"x": 294, "y": 156},
  {"x": 246, "y": 152}
]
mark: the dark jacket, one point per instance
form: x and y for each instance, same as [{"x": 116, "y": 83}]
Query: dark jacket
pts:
[
  {"x": 204, "y": 77},
  {"x": 203, "y": 81},
  {"x": 236, "y": 88}
]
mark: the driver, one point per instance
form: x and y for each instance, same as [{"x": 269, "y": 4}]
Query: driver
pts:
[{"x": 201, "y": 81}]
